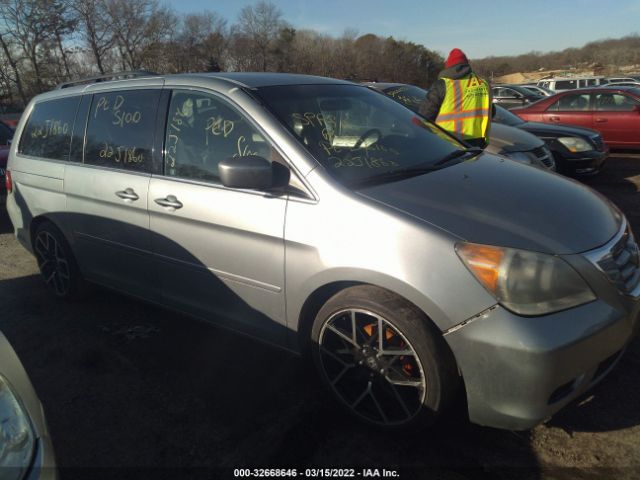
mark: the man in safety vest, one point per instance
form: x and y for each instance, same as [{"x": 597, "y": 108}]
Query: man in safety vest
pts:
[{"x": 460, "y": 101}]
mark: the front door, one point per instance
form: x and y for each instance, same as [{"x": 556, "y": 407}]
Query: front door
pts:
[
  {"x": 572, "y": 109},
  {"x": 219, "y": 251}
]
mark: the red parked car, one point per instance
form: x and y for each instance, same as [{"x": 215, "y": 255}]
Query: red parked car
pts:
[
  {"x": 614, "y": 111},
  {"x": 6, "y": 134},
  {"x": 4, "y": 155}
]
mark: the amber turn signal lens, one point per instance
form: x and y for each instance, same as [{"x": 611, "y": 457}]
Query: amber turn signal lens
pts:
[{"x": 484, "y": 261}]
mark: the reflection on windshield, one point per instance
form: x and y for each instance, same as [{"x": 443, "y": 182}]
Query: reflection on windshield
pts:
[{"x": 354, "y": 132}]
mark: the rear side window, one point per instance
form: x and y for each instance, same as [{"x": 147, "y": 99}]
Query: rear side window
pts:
[
  {"x": 571, "y": 103},
  {"x": 48, "y": 130},
  {"x": 565, "y": 84},
  {"x": 614, "y": 102},
  {"x": 121, "y": 128}
]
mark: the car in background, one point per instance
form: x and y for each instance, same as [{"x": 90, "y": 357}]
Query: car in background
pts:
[
  {"x": 503, "y": 139},
  {"x": 4, "y": 155},
  {"x": 576, "y": 150},
  {"x": 622, "y": 84},
  {"x": 545, "y": 92},
  {"x": 561, "y": 84},
  {"x": 621, "y": 79},
  {"x": 10, "y": 119},
  {"x": 6, "y": 135},
  {"x": 510, "y": 96},
  {"x": 26, "y": 452},
  {"x": 613, "y": 111}
]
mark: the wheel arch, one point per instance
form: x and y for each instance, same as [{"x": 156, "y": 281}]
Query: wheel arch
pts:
[
  {"x": 39, "y": 220},
  {"x": 323, "y": 293}
]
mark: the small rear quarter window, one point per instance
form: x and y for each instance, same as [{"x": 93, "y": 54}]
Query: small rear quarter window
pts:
[{"x": 47, "y": 133}]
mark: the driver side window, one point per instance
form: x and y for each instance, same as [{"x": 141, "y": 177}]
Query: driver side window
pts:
[{"x": 202, "y": 130}]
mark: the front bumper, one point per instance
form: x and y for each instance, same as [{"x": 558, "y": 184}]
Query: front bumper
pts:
[
  {"x": 583, "y": 164},
  {"x": 519, "y": 371}
]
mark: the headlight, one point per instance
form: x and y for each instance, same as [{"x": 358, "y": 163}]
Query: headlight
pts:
[
  {"x": 575, "y": 144},
  {"x": 16, "y": 435},
  {"x": 518, "y": 157},
  {"x": 527, "y": 283}
]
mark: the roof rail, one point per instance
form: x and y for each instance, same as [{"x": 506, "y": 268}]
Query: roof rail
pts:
[{"x": 106, "y": 77}]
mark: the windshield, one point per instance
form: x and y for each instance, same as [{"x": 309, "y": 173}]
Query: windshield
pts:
[
  {"x": 505, "y": 117},
  {"x": 408, "y": 95},
  {"x": 356, "y": 133}
]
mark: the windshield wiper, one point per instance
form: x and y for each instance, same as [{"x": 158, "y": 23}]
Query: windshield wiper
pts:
[
  {"x": 415, "y": 170},
  {"x": 471, "y": 152}
]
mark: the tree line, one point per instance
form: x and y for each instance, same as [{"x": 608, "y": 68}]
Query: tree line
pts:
[
  {"x": 608, "y": 55},
  {"x": 46, "y": 42}
]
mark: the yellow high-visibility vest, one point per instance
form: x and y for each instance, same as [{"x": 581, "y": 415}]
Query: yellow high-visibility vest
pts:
[{"x": 466, "y": 107}]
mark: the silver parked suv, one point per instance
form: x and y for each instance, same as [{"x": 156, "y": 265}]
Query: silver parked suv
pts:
[{"x": 325, "y": 218}]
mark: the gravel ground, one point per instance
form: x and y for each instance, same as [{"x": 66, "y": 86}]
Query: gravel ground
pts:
[{"x": 132, "y": 389}]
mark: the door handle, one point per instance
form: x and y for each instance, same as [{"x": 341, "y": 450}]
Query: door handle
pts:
[
  {"x": 554, "y": 119},
  {"x": 170, "y": 201},
  {"x": 601, "y": 120},
  {"x": 128, "y": 194}
]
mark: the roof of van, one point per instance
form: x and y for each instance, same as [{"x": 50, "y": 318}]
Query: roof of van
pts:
[
  {"x": 231, "y": 79},
  {"x": 268, "y": 79},
  {"x": 244, "y": 79}
]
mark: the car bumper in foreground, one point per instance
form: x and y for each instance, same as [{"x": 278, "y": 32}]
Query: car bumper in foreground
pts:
[
  {"x": 581, "y": 164},
  {"x": 519, "y": 371},
  {"x": 42, "y": 464}
]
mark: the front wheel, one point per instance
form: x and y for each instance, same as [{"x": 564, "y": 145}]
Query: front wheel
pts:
[{"x": 381, "y": 358}]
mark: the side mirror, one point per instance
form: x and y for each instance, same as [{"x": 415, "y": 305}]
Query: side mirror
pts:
[
  {"x": 253, "y": 172},
  {"x": 636, "y": 108}
]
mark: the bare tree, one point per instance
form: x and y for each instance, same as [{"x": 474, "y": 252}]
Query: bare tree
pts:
[
  {"x": 201, "y": 40},
  {"x": 258, "y": 27},
  {"x": 29, "y": 23},
  {"x": 95, "y": 28},
  {"x": 13, "y": 64},
  {"x": 138, "y": 26}
]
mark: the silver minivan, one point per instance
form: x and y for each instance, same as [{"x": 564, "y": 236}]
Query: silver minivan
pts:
[{"x": 328, "y": 219}]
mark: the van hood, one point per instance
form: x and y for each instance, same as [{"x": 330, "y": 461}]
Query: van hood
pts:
[
  {"x": 506, "y": 139},
  {"x": 496, "y": 201}
]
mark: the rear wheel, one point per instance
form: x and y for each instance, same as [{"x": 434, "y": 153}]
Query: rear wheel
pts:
[
  {"x": 381, "y": 358},
  {"x": 56, "y": 262}
]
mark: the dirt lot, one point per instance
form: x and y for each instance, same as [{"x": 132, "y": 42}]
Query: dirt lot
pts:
[{"x": 129, "y": 388}]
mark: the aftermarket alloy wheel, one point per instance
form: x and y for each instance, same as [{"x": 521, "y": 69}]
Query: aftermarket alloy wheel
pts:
[
  {"x": 56, "y": 262},
  {"x": 380, "y": 358}
]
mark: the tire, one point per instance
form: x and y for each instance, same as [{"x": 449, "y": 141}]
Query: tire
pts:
[
  {"x": 56, "y": 263},
  {"x": 408, "y": 382}
]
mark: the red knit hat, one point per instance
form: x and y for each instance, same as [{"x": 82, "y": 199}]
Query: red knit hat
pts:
[{"x": 456, "y": 57}]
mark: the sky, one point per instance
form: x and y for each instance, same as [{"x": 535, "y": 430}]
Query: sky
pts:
[{"x": 480, "y": 28}]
